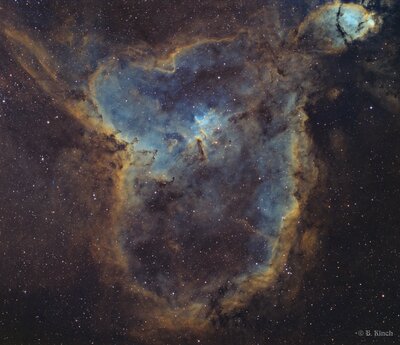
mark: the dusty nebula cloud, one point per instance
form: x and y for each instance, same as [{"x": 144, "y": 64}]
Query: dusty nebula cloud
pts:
[{"x": 175, "y": 166}]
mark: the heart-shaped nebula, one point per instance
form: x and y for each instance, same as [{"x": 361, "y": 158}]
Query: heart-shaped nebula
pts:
[
  {"x": 212, "y": 176},
  {"x": 168, "y": 166}
]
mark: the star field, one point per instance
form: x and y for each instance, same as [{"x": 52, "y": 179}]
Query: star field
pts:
[{"x": 199, "y": 172}]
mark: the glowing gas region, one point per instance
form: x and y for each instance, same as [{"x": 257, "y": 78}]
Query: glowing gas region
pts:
[
  {"x": 211, "y": 180},
  {"x": 199, "y": 155}
]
